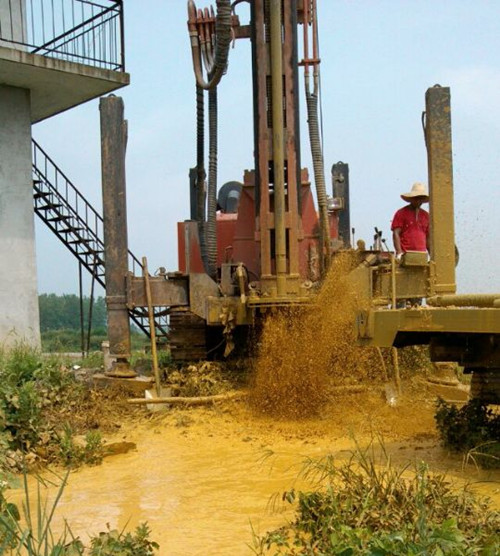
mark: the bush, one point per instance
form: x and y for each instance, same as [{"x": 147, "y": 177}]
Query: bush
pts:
[
  {"x": 74, "y": 454},
  {"x": 367, "y": 508},
  {"x": 124, "y": 544},
  {"x": 30, "y": 388},
  {"x": 474, "y": 429}
]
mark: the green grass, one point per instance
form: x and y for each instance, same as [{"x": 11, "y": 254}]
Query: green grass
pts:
[
  {"x": 39, "y": 397},
  {"x": 367, "y": 506}
]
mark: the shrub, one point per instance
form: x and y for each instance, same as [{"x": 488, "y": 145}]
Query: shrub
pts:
[
  {"x": 124, "y": 544},
  {"x": 34, "y": 391},
  {"x": 473, "y": 429},
  {"x": 74, "y": 454},
  {"x": 367, "y": 508}
]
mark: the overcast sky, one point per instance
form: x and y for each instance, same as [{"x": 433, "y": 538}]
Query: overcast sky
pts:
[{"x": 378, "y": 59}]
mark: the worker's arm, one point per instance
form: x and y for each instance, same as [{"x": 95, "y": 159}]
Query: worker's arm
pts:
[{"x": 396, "y": 238}]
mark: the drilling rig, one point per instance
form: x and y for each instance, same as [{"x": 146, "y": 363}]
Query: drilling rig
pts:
[{"x": 261, "y": 243}]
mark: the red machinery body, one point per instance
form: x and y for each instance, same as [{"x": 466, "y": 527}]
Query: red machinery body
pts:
[
  {"x": 238, "y": 238},
  {"x": 273, "y": 229}
]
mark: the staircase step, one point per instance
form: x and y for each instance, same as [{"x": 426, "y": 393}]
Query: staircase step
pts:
[
  {"x": 60, "y": 218},
  {"x": 71, "y": 229},
  {"x": 81, "y": 240},
  {"x": 50, "y": 206},
  {"x": 41, "y": 194},
  {"x": 69, "y": 223},
  {"x": 97, "y": 261}
]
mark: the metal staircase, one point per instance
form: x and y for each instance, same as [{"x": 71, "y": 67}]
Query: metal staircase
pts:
[{"x": 80, "y": 227}]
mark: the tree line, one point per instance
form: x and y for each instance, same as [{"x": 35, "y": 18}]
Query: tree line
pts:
[
  {"x": 62, "y": 312},
  {"x": 60, "y": 323}
]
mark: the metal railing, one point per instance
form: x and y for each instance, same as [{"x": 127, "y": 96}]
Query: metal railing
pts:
[
  {"x": 60, "y": 205},
  {"x": 84, "y": 31}
]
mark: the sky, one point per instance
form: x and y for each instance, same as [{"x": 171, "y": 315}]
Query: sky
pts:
[{"x": 377, "y": 60}]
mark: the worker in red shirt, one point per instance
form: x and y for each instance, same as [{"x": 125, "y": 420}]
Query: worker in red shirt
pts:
[{"x": 410, "y": 225}]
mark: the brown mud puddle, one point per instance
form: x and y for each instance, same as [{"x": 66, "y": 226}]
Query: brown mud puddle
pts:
[{"x": 203, "y": 478}]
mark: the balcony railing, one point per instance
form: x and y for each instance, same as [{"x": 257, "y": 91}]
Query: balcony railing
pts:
[{"x": 84, "y": 31}]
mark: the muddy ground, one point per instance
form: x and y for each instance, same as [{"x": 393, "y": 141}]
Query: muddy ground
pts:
[{"x": 206, "y": 478}]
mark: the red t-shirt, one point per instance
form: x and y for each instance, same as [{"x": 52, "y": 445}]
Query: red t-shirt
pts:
[{"x": 414, "y": 229}]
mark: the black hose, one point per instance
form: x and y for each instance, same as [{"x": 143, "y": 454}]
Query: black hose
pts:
[
  {"x": 319, "y": 175},
  {"x": 211, "y": 230},
  {"x": 223, "y": 42},
  {"x": 200, "y": 171},
  {"x": 215, "y": 66}
]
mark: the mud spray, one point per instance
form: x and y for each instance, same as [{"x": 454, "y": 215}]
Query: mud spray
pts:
[{"x": 306, "y": 352}]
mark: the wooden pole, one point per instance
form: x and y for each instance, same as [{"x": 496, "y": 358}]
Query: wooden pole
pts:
[
  {"x": 195, "y": 400},
  {"x": 152, "y": 329}
]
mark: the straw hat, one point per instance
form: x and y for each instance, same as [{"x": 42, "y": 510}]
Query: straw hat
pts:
[{"x": 418, "y": 189}]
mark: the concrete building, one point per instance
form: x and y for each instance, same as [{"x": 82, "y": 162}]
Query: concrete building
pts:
[{"x": 48, "y": 65}]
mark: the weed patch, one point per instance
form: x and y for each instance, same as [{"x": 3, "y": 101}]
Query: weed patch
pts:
[
  {"x": 73, "y": 453},
  {"x": 362, "y": 507},
  {"x": 124, "y": 544},
  {"x": 44, "y": 409}
]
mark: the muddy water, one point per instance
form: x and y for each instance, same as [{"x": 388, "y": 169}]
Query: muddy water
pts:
[{"x": 203, "y": 478}]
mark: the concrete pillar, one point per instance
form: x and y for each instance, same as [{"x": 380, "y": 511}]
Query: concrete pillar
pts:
[{"x": 19, "y": 316}]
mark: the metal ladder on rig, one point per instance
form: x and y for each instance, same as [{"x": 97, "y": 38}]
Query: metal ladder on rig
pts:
[{"x": 79, "y": 226}]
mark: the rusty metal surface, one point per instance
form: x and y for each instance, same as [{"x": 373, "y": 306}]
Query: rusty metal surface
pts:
[
  {"x": 280, "y": 248},
  {"x": 216, "y": 307},
  {"x": 440, "y": 166},
  {"x": 466, "y": 300},
  {"x": 273, "y": 146},
  {"x": 380, "y": 327},
  {"x": 201, "y": 287},
  {"x": 113, "y": 143},
  {"x": 409, "y": 282},
  {"x": 340, "y": 191},
  {"x": 187, "y": 336},
  {"x": 164, "y": 293}
]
